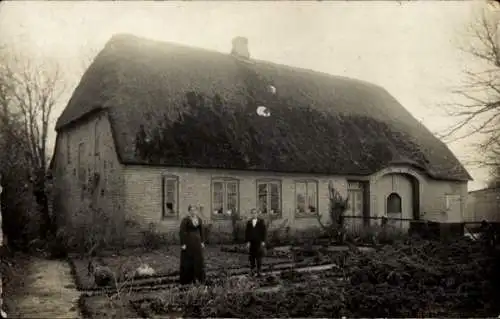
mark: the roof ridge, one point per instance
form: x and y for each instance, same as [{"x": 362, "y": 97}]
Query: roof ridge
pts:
[{"x": 127, "y": 37}]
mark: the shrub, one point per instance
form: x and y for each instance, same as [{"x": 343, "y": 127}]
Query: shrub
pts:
[
  {"x": 152, "y": 238},
  {"x": 277, "y": 230},
  {"x": 237, "y": 228},
  {"x": 20, "y": 212},
  {"x": 219, "y": 235},
  {"x": 375, "y": 233},
  {"x": 92, "y": 229},
  {"x": 335, "y": 225},
  {"x": 207, "y": 232},
  {"x": 307, "y": 235},
  {"x": 408, "y": 279}
]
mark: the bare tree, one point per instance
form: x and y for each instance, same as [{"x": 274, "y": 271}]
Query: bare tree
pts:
[
  {"x": 28, "y": 95},
  {"x": 494, "y": 181},
  {"x": 33, "y": 92},
  {"x": 479, "y": 112}
]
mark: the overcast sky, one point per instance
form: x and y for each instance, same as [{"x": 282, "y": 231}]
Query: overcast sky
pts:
[{"x": 410, "y": 48}]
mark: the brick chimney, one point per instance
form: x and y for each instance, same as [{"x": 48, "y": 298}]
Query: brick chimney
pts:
[{"x": 240, "y": 48}]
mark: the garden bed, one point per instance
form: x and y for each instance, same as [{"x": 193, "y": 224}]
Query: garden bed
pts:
[
  {"x": 413, "y": 279},
  {"x": 167, "y": 282},
  {"x": 168, "y": 301},
  {"x": 297, "y": 253},
  {"x": 164, "y": 262}
]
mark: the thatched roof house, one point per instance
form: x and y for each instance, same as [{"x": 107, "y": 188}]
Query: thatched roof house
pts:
[
  {"x": 319, "y": 124},
  {"x": 170, "y": 105}
]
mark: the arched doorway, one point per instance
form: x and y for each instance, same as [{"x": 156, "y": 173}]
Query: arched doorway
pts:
[{"x": 398, "y": 197}]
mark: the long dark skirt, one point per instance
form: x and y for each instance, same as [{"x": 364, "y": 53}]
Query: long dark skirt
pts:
[{"x": 192, "y": 268}]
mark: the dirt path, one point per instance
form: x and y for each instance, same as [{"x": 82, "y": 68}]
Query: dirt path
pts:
[{"x": 45, "y": 289}]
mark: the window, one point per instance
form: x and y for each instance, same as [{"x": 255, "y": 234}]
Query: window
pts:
[
  {"x": 225, "y": 196},
  {"x": 394, "y": 210},
  {"x": 170, "y": 187},
  {"x": 68, "y": 148},
  {"x": 82, "y": 172},
  {"x": 269, "y": 197},
  {"x": 451, "y": 200},
  {"x": 355, "y": 192},
  {"x": 394, "y": 205},
  {"x": 306, "y": 197},
  {"x": 105, "y": 174},
  {"x": 96, "y": 139}
]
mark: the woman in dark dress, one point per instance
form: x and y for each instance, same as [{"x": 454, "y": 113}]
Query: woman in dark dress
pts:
[{"x": 192, "y": 268}]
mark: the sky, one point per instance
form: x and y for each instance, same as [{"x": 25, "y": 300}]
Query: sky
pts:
[{"x": 410, "y": 48}]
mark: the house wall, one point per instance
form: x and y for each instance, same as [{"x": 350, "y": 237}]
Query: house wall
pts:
[
  {"x": 433, "y": 198},
  {"x": 134, "y": 193},
  {"x": 98, "y": 156},
  {"x": 484, "y": 205},
  {"x": 144, "y": 194}
]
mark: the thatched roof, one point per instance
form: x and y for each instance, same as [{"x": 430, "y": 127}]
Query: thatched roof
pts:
[{"x": 180, "y": 106}]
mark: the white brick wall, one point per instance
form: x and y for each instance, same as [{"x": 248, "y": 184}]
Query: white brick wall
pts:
[{"x": 144, "y": 194}]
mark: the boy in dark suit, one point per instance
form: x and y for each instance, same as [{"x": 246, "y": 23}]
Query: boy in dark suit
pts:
[{"x": 255, "y": 237}]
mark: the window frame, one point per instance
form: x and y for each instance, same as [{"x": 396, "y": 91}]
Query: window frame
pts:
[
  {"x": 68, "y": 149},
  {"x": 164, "y": 180},
  {"x": 356, "y": 190},
  {"x": 81, "y": 153},
  {"x": 449, "y": 198},
  {"x": 268, "y": 182},
  {"x": 306, "y": 214},
  {"x": 397, "y": 215},
  {"x": 225, "y": 195},
  {"x": 394, "y": 194}
]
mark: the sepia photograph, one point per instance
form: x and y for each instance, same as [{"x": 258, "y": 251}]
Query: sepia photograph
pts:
[{"x": 250, "y": 159}]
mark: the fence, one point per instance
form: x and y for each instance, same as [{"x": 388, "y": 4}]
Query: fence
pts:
[{"x": 359, "y": 224}]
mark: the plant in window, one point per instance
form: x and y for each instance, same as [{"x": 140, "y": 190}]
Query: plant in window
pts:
[
  {"x": 306, "y": 197},
  {"x": 225, "y": 197},
  {"x": 269, "y": 197}
]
